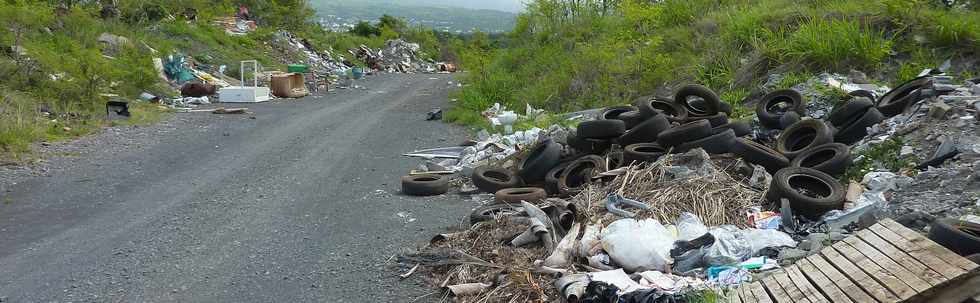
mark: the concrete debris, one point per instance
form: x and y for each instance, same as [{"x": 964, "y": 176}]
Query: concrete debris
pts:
[{"x": 400, "y": 56}]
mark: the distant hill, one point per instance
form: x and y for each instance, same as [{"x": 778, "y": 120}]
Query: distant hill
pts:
[{"x": 443, "y": 18}]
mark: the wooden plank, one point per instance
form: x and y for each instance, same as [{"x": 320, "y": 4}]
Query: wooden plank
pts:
[
  {"x": 759, "y": 292},
  {"x": 778, "y": 294},
  {"x": 808, "y": 290},
  {"x": 932, "y": 261},
  {"x": 904, "y": 275},
  {"x": 915, "y": 266},
  {"x": 746, "y": 293},
  {"x": 879, "y": 274},
  {"x": 791, "y": 289},
  {"x": 858, "y": 276},
  {"x": 937, "y": 249},
  {"x": 957, "y": 291},
  {"x": 852, "y": 290},
  {"x": 821, "y": 282},
  {"x": 733, "y": 296}
]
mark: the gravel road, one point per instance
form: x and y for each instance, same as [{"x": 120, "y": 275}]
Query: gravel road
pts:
[{"x": 298, "y": 202}]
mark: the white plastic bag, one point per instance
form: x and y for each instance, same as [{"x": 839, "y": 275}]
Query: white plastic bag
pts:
[
  {"x": 762, "y": 238},
  {"x": 689, "y": 227},
  {"x": 729, "y": 247},
  {"x": 638, "y": 245}
]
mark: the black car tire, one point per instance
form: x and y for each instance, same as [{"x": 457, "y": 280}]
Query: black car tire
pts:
[
  {"x": 961, "y": 237},
  {"x": 425, "y": 185},
  {"x": 858, "y": 129},
  {"x": 601, "y": 129},
  {"x": 578, "y": 174},
  {"x": 755, "y": 153},
  {"x": 685, "y": 132},
  {"x": 832, "y": 158},
  {"x": 648, "y": 131},
  {"x": 849, "y": 111},
  {"x": 802, "y": 136},
  {"x": 655, "y": 106},
  {"x": 642, "y": 152},
  {"x": 542, "y": 158},
  {"x": 517, "y": 194},
  {"x": 897, "y": 100},
  {"x": 719, "y": 143},
  {"x": 491, "y": 179},
  {"x": 613, "y": 112},
  {"x": 741, "y": 128},
  {"x": 810, "y": 192},
  {"x": 765, "y": 110},
  {"x": 710, "y": 107}
]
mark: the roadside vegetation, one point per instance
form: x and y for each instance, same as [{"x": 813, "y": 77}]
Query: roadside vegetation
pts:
[
  {"x": 570, "y": 55},
  {"x": 55, "y": 76}
]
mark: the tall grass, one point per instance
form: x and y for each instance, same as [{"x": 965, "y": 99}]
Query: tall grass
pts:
[{"x": 831, "y": 43}]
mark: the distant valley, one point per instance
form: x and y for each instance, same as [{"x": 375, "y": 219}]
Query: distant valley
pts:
[{"x": 340, "y": 15}]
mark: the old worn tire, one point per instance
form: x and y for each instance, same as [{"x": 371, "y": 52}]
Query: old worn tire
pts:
[
  {"x": 685, "y": 132},
  {"x": 578, "y": 174},
  {"x": 645, "y": 132},
  {"x": 897, "y": 100},
  {"x": 858, "y": 129},
  {"x": 487, "y": 212},
  {"x": 715, "y": 120},
  {"x": 601, "y": 129},
  {"x": 832, "y": 158},
  {"x": 613, "y": 112},
  {"x": 642, "y": 152},
  {"x": 710, "y": 107},
  {"x": 551, "y": 180},
  {"x": 788, "y": 119},
  {"x": 588, "y": 146},
  {"x": 631, "y": 119},
  {"x": 863, "y": 93},
  {"x": 849, "y": 111},
  {"x": 803, "y": 135},
  {"x": 718, "y": 143},
  {"x": 962, "y": 237},
  {"x": 766, "y": 109},
  {"x": 725, "y": 107},
  {"x": 425, "y": 185},
  {"x": 826, "y": 193},
  {"x": 755, "y": 153},
  {"x": 517, "y": 194},
  {"x": 741, "y": 128},
  {"x": 543, "y": 157},
  {"x": 670, "y": 110},
  {"x": 491, "y": 179}
]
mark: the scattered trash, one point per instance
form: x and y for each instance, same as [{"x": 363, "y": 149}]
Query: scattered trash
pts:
[{"x": 434, "y": 115}]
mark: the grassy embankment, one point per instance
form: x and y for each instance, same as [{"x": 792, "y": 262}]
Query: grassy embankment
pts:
[{"x": 599, "y": 55}]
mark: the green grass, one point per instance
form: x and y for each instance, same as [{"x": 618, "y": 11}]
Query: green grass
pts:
[
  {"x": 880, "y": 157},
  {"x": 591, "y": 59}
]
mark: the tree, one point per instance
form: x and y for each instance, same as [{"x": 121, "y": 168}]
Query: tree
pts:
[
  {"x": 365, "y": 29},
  {"x": 393, "y": 23}
]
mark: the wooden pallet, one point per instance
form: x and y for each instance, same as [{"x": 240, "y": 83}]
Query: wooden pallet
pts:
[{"x": 885, "y": 263}]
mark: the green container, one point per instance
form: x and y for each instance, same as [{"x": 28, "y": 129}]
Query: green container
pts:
[{"x": 297, "y": 68}]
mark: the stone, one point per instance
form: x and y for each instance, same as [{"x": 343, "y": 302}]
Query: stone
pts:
[
  {"x": 836, "y": 236},
  {"x": 906, "y": 150},
  {"x": 938, "y": 110},
  {"x": 976, "y": 89},
  {"x": 858, "y": 77}
]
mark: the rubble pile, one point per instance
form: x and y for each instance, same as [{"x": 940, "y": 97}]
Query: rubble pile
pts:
[
  {"x": 298, "y": 50},
  {"x": 397, "y": 55},
  {"x": 668, "y": 198}
]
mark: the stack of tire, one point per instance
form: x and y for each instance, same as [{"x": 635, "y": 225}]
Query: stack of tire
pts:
[{"x": 541, "y": 173}]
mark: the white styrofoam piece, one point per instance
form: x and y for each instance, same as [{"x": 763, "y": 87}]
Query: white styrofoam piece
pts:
[{"x": 240, "y": 94}]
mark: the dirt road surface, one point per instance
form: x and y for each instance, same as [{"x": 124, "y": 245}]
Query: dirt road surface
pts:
[{"x": 299, "y": 204}]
